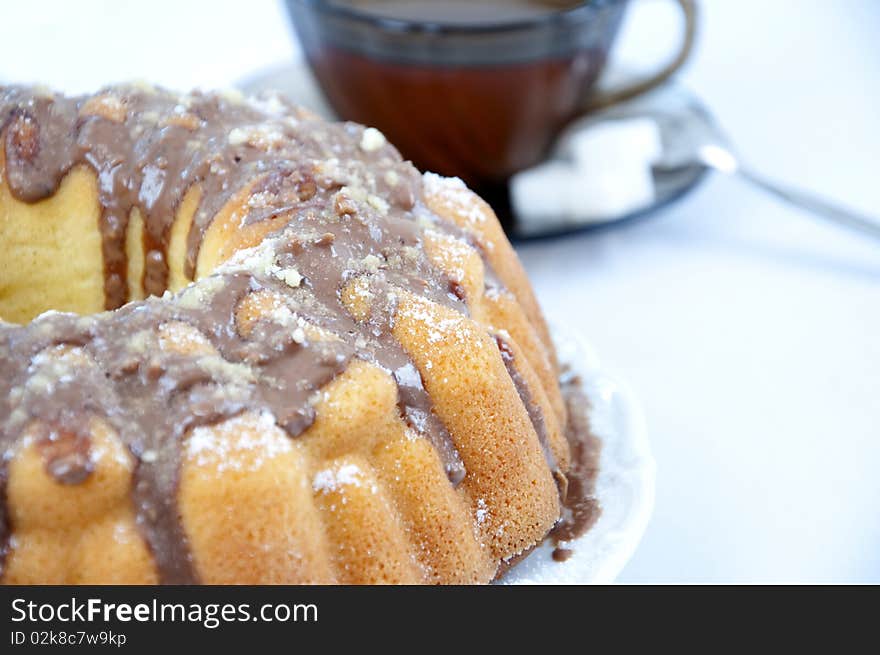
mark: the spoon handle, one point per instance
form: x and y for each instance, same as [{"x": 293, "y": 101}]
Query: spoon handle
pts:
[{"x": 816, "y": 204}]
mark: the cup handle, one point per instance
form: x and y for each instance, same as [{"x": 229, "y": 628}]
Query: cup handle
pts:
[{"x": 603, "y": 99}]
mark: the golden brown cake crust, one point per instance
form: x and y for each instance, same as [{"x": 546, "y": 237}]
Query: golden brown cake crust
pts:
[{"x": 358, "y": 387}]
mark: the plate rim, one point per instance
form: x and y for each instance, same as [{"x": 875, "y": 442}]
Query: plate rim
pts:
[{"x": 625, "y": 485}]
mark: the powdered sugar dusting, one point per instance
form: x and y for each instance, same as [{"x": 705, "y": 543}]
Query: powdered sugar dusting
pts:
[
  {"x": 242, "y": 443},
  {"x": 446, "y": 330},
  {"x": 482, "y": 512},
  {"x": 112, "y": 452},
  {"x": 454, "y": 255},
  {"x": 329, "y": 480},
  {"x": 454, "y": 191}
]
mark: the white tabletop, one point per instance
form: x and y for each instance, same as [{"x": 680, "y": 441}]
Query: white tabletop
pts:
[{"x": 750, "y": 332}]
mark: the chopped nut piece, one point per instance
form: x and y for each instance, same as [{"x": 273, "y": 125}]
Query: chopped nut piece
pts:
[
  {"x": 23, "y": 136},
  {"x": 187, "y": 121},
  {"x": 237, "y": 136},
  {"x": 325, "y": 239},
  {"x": 259, "y": 136},
  {"x": 378, "y": 204},
  {"x": 106, "y": 106},
  {"x": 343, "y": 205},
  {"x": 289, "y": 276},
  {"x": 372, "y": 139},
  {"x": 371, "y": 263}
]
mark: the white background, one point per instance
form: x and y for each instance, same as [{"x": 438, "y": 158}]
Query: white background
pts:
[{"x": 750, "y": 332}]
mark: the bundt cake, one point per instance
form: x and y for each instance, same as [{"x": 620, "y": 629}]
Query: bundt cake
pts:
[{"x": 241, "y": 344}]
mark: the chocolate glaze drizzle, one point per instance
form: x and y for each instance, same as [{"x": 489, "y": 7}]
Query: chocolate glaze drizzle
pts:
[
  {"x": 347, "y": 206},
  {"x": 580, "y": 508},
  {"x": 536, "y": 414}
]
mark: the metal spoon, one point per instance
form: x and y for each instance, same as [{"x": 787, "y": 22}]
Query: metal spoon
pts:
[{"x": 690, "y": 136}]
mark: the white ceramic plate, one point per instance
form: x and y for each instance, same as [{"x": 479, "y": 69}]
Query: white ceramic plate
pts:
[{"x": 624, "y": 486}]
